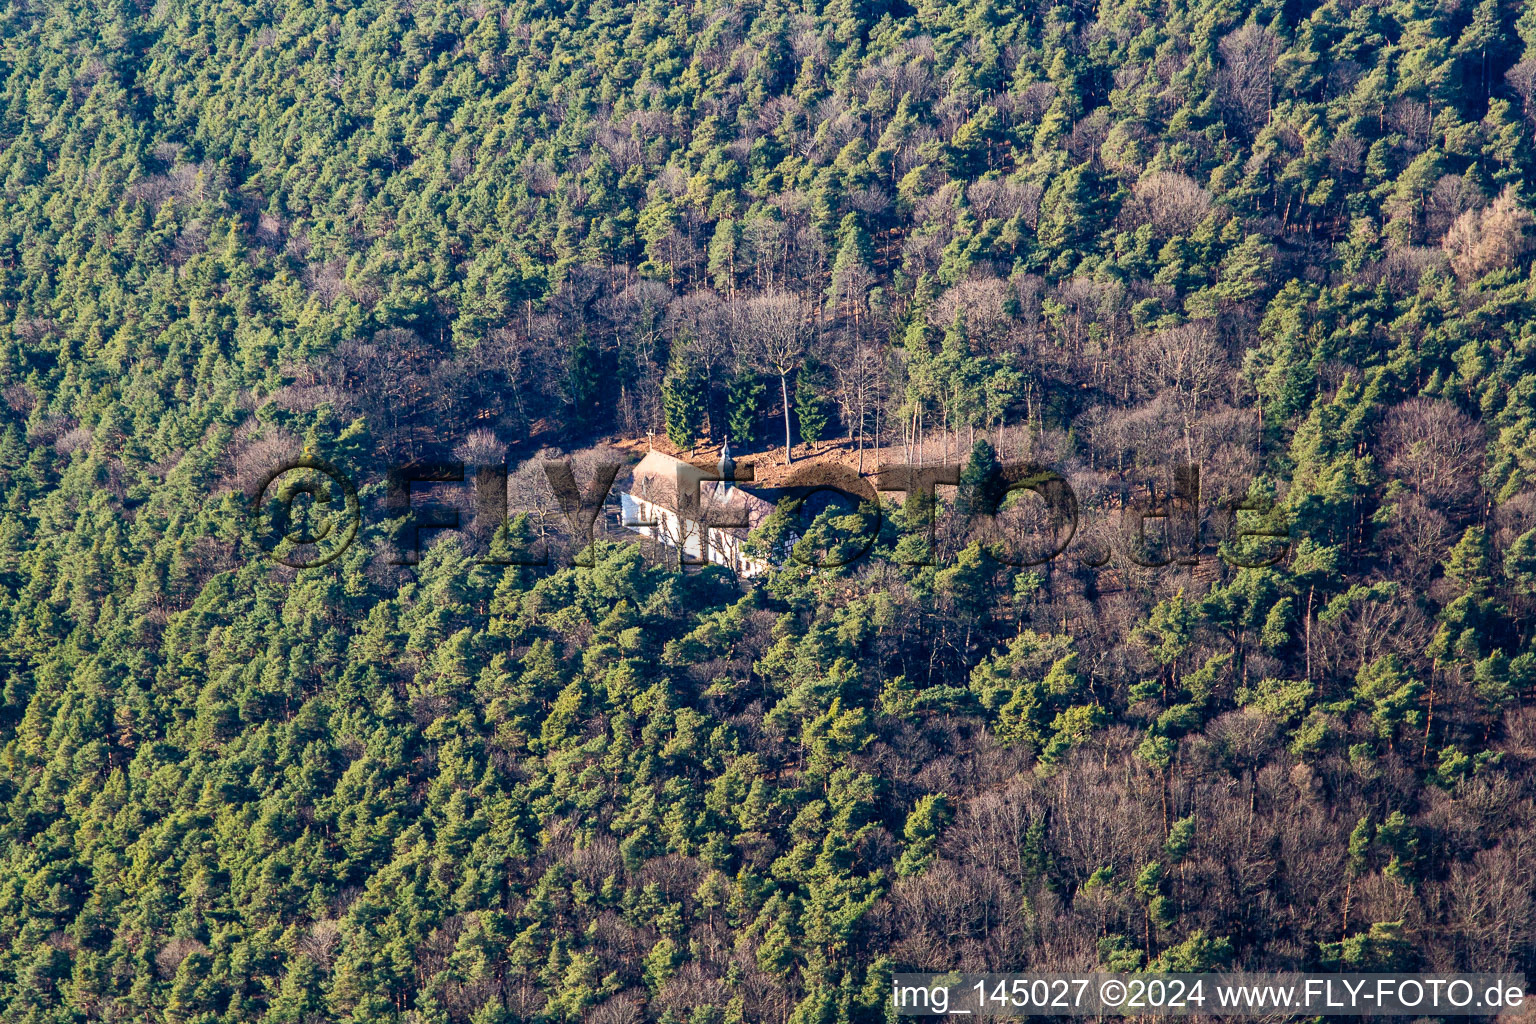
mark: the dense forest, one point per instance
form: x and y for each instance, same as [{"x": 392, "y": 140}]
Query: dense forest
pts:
[{"x": 1287, "y": 243}]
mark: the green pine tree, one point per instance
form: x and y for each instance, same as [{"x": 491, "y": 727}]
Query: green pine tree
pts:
[{"x": 683, "y": 401}]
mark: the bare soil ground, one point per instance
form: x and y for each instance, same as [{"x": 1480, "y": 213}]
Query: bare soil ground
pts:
[{"x": 767, "y": 464}]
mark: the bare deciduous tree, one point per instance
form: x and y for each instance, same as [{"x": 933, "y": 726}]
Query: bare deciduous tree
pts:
[
  {"x": 1435, "y": 448},
  {"x": 1172, "y": 203},
  {"x": 1522, "y": 78},
  {"x": 1245, "y": 80},
  {"x": 776, "y": 328},
  {"x": 1481, "y": 241},
  {"x": 1190, "y": 362}
]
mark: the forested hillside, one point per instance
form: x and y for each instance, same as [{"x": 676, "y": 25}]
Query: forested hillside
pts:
[{"x": 1287, "y": 242}]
